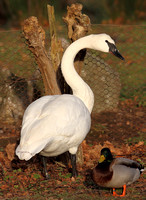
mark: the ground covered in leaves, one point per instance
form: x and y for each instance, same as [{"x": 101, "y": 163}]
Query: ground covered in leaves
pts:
[{"x": 122, "y": 131}]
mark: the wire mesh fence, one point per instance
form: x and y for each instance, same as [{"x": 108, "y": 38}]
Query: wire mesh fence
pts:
[{"x": 111, "y": 79}]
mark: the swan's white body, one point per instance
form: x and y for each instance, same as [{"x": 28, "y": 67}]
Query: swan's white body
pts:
[{"x": 55, "y": 124}]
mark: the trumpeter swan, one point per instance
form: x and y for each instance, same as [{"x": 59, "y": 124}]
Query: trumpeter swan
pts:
[{"x": 55, "y": 124}]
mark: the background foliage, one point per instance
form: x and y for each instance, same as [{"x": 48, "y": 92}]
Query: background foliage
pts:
[{"x": 13, "y": 12}]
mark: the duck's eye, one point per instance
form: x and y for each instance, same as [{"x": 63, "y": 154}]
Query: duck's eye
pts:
[{"x": 106, "y": 41}]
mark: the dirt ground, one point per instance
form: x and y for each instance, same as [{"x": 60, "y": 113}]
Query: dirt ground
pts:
[
  {"x": 122, "y": 130},
  {"x": 126, "y": 124}
]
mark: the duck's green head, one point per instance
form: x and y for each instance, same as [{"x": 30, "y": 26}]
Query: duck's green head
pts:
[{"x": 105, "y": 155}]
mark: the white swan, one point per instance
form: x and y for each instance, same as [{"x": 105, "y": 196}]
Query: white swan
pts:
[{"x": 55, "y": 124}]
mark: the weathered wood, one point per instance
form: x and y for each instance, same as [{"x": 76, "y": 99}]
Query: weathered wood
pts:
[
  {"x": 35, "y": 36},
  {"x": 56, "y": 48},
  {"x": 78, "y": 26}
]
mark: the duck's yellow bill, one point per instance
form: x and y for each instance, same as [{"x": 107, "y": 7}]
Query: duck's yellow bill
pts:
[{"x": 101, "y": 159}]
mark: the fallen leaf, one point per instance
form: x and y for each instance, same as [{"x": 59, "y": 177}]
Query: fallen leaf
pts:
[
  {"x": 140, "y": 143},
  {"x": 73, "y": 179},
  {"x": 5, "y": 162},
  {"x": 10, "y": 150}
]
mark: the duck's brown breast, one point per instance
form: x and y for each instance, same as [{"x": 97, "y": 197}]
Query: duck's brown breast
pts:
[{"x": 102, "y": 175}]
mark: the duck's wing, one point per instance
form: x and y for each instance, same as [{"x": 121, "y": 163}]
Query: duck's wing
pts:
[
  {"x": 125, "y": 171},
  {"x": 126, "y": 162}
]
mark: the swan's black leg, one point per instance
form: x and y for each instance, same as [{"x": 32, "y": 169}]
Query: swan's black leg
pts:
[
  {"x": 73, "y": 163},
  {"x": 45, "y": 167}
]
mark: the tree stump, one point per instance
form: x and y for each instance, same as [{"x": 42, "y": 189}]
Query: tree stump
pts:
[
  {"x": 78, "y": 26},
  {"x": 35, "y": 36}
]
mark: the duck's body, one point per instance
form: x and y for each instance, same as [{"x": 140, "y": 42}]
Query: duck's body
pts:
[
  {"x": 115, "y": 172},
  {"x": 55, "y": 124},
  {"x": 118, "y": 173}
]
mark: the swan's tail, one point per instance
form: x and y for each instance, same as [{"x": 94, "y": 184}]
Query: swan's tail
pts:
[
  {"x": 23, "y": 154},
  {"x": 26, "y": 150}
]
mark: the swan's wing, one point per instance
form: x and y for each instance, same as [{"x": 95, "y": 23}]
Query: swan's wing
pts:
[
  {"x": 126, "y": 162},
  {"x": 63, "y": 115},
  {"x": 34, "y": 110},
  {"x": 65, "y": 118}
]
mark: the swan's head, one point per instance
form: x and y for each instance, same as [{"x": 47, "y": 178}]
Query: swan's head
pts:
[{"x": 105, "y": 43}]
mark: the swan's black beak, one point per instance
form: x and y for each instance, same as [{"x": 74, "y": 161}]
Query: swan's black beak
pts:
[
  {"x": 113, "y": 49},
  {"x": 116, "y": 53}
]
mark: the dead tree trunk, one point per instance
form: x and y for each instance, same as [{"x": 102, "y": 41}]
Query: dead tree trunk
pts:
[
  {"x": 56, "y": 47},
  {"x": 35, "y": 37},
  {"x": 78, "y": 26}
]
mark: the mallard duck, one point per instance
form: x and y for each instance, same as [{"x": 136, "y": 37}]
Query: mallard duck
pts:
[{"x": 115, "y": 172}]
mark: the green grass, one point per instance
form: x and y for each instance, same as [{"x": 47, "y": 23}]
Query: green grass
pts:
[
  {"x": 15, "y": 54},
  {"x": 136, "y": 139}
]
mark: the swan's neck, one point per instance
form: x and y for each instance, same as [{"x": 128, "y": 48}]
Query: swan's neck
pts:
[{"x": 79, "y": 87}]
